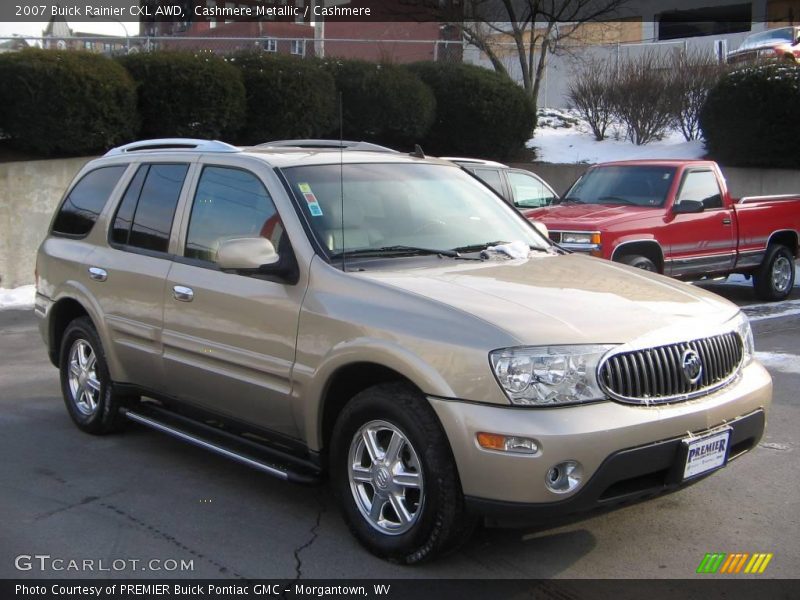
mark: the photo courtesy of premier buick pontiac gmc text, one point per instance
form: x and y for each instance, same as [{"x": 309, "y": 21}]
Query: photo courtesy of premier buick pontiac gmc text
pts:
[{"x": 388, "y": 323}]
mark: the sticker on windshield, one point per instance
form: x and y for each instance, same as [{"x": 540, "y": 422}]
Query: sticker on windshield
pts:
[{"x": 313, "y": 204}]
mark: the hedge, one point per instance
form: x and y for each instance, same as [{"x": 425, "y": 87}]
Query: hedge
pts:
[
  {"x": 750, "y": 118},
  {"x": 66, "y": 103},
  {"x": 187, "y": 94},
  {"x": 479, "y": 112},
  {"x": 383, "y": 103},
  {"x": 286, "y": 97}
]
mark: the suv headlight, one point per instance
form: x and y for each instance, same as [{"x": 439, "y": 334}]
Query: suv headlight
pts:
[
  {"x": 549, "y": 375},
  {"x": 742, "y": 327}
]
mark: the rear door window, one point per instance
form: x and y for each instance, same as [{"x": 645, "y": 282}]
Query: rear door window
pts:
[
  {"x": 492, "y": 177},
  {"x": 144, "y": 217},
  {"x": 86, "y": 200}
]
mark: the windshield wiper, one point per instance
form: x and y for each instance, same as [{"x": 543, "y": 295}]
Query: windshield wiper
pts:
[
  {"x": 571, "y": 199},
  {"x": 398, "y": 250},
  {"x": 477, "y": 247}
]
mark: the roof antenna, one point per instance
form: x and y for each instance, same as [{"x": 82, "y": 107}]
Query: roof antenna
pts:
[
  {"x": 341, "y": 176},
  {"x": 418, "y": 151}
]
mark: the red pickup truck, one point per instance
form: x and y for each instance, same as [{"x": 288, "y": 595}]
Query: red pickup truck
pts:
[{"x": 676, "y": 217}]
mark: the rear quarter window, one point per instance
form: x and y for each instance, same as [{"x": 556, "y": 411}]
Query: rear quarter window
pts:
[{"x": 85, "y": 202}]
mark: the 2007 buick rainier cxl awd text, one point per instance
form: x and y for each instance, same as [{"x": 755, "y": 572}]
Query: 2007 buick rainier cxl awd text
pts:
[{"x": 349, "y": 315}]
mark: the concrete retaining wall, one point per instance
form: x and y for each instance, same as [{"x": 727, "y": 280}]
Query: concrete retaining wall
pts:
[{"x": 30, "y": 191}]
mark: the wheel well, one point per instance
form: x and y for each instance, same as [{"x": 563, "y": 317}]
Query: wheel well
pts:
[
  {"x": 785, "y": 238},
  {"x": 346, "y": 383},
  {"x": 650, "y": 250},
  {"x": 61, "y": 315}
]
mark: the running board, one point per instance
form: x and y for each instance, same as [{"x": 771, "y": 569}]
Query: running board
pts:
[{"x": 264, "y": 459}]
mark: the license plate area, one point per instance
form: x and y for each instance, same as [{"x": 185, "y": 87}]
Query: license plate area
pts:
[{"x": 704, "y": 454}]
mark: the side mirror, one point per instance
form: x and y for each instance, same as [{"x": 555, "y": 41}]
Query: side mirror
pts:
[
  {"x": 541, "y": 228},
  {"x": 687, "y": 207},
  {"x": 242, "y": 254}
]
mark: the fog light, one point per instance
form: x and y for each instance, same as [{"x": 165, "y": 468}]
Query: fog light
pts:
[
  {"x": 507, "y": 443},
  {"x": 564, "y": 477}
]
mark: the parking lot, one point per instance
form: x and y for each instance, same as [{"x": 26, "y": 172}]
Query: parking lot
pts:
[{"x": 141, "y": 496}]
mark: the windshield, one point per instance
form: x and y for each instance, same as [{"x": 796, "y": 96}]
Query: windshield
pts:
[
  {"x": 784, "y": 34},
  {"x": 630, "y": 185},
  {"x": 393, "y": 205}
]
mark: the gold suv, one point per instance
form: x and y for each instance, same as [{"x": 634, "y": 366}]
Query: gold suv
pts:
[{"x": 388, "y": 322}]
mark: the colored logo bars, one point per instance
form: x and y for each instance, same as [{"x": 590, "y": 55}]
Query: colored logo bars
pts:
[{"x": 739, "y": 562}]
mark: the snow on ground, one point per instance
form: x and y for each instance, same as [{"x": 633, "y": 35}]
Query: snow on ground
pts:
[
  {"x": 562, "y": 137},
  {"x": 785, "y": 363},
  {"x": 21, "y": 297},
  {"x": 742, "y": 280}
]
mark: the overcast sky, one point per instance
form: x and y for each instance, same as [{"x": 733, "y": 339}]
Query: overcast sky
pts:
[{"x": 97, "y": 26}]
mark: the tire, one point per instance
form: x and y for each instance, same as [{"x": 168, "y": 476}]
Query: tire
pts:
[
  {"x": 774, "y": 279},
  {"x": 86, "y": 385},
  {"x": 639, "y": 261},
  {"x": 436, "y": 521}
]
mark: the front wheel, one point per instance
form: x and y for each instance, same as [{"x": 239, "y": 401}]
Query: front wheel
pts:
[
  {"x": 640, "y": 262},
  {"x": 395, "y": 478},
  {"x": 775, "y": 277}
]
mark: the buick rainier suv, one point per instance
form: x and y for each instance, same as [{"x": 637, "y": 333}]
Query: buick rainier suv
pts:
[{"x": 385, "y": 322}]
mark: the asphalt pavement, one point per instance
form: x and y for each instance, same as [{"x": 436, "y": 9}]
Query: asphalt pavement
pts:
[{"x": 140, "y": 497}]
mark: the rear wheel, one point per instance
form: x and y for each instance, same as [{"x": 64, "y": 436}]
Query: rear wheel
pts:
[
  {"x": 775, "y": 277},
  {"x": 395, "y": 478},
  {"x": 86, "y": 386},
  {"x": 639, "y": 261}
]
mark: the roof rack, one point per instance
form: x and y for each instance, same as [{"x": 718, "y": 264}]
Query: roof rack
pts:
[
  {"x": 173, "y": 144},
  {"x": 326, "y": 144}
]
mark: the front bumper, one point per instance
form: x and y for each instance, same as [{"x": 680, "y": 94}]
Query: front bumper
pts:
[
  {"x": 625, "y": 476},
  {"x": 614, "y": 443}
]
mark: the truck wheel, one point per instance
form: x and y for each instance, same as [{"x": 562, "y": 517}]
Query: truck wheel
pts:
[
  {"x": 775, "y": 277},
  {"x": 85, "y": 383},
  {"x": 394, "y": 476},
  {"x": 638, "y": 261}
]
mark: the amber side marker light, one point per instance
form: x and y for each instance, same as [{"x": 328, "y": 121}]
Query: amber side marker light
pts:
[{"x": 507, "y": 443}]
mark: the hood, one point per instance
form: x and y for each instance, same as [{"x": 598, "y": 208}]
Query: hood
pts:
[
  {"x": 566, "y": 299},
  {"x": 585, "y": 216}
]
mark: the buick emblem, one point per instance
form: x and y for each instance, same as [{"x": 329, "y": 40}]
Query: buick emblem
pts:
[{"x": 692, "y": 366}]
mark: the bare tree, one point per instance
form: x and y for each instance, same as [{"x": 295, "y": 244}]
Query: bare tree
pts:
[
  {"x": 536, "y": 28},
  {"x": 591, "y": 95},
  {"x": 692, "y": 75},
  {"x": 643, "y": 98}
]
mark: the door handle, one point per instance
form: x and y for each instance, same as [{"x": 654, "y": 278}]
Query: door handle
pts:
[
  {"x": 726, "y": 221},
  {"x": 182, "y": 293},
  {"x": 97, "y": 274}
]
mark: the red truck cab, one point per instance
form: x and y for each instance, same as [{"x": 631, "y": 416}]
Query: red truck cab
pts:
[{"x": 676, "y": 217}]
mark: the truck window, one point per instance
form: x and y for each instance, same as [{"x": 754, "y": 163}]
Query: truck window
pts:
[
  {"x": 701, "y": 186},
  {"x": 490, "y": 177}
]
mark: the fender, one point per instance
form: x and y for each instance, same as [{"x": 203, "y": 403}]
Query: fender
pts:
[
  {"x": 637, "y": 238},
  {"x": 77, "y": 291},
  {"x": 311, "y": 385}
]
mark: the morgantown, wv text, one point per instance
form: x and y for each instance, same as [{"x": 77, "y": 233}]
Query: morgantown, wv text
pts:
[{"x": 299, "y": 590}]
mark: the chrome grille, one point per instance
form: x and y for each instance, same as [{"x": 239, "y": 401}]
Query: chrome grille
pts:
[{"x": 656, "y": 375}]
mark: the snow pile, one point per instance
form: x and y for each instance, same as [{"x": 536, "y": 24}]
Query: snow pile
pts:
[
  {"x": 21, "y": 297},
  {"x": 785, "y": 363},
  {"x": 562, "y": 137}
]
